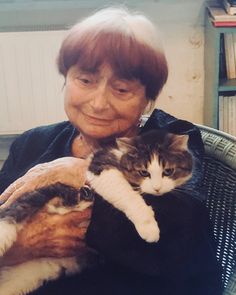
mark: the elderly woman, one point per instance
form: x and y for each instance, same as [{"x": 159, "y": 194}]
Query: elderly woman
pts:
[{"x": 114, "y": 68}]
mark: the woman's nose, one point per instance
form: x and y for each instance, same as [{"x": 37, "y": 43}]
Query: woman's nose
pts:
[{"x": 100, "y": 98}]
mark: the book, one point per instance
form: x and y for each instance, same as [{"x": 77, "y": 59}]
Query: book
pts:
[
  {"x": 234, "y": 116},
  {"x": 222, "y": 61},
  {"x": 231, "y": 118},
  {"x": 231, "y": 10},
  {"x": 221, "y": 113},
  {"x": 218, "y": 14},
  {"x": 224, "y": 24},
  {"x": 234, "y": 48},
  {"x": 227, "y": 114},
  {"x": 229, "y": 56}
]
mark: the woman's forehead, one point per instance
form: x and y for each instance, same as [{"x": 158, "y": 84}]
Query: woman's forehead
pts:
[{"x": 103, "y": 70}]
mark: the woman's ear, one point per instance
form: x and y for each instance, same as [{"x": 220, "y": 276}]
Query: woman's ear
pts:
[{"x": 149, "y": 107}]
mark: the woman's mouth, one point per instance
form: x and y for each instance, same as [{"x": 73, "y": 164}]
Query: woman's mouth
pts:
[{"x": 97, "y": 120}]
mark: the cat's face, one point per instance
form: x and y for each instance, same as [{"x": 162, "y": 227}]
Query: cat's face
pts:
[
  {"x": 157, "y": 162},
  {"x": 161, "y": 178}
]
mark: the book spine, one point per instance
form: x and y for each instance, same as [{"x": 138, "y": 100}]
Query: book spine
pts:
[
  {"x": 225, "y": 115},
  {"x": 222, "y": 64},
  {"x": 221, "y": 113},
  {"x": 224, "y": 24},
  {"x": 229, "y": 55},
  {"x": 230, "y": 114},
  {"x": 234, "y": 48},
  {"x": 234, "y": 116},
  {"x": 231, "y": 10},
  {"x": 226, "y": 40}
]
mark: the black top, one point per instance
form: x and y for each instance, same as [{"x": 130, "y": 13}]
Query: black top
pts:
[{"x": 182, "y": 262}]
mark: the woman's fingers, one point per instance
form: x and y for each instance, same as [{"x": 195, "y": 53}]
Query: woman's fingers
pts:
[
  {"x": 12, "y": 189},
  {"x": 67, "y": 170},
  {"x": 26, "y": 183},
  {"x": 10, "y": 197}
]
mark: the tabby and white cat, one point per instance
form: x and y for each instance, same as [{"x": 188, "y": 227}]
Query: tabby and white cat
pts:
[{"x": 154, "y": 163}]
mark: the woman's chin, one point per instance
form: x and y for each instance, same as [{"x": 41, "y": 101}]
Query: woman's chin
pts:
[{"x": 97, "y": 132}]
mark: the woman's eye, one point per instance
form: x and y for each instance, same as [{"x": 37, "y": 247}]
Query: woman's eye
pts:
[
  {"x": 168, "y": 172},
  {"x": 122, "y": 90},
  {"x": 85, "y": 81},
  {"x": 144, "y": 173}
]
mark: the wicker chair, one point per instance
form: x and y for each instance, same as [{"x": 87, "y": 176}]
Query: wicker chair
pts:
[{"x": 220, "y": 187}]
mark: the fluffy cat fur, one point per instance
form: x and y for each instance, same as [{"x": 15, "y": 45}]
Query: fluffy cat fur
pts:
[{"x": 153, "y": 163}]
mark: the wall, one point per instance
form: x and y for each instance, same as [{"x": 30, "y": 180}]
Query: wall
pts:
[
  {"x": 31, "y": 90},
  {"x": 182, "y": 26},
  {"x": 23, "y": 104}
]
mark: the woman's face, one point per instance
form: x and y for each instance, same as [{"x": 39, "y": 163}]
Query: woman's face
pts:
[{"x": 101, "y": 105}]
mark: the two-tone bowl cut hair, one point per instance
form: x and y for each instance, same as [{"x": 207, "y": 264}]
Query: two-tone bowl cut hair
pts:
[{"x": 129, "y": 43}]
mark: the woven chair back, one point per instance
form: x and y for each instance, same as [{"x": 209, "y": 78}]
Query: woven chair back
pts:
[{"x": 220, "y": 187}]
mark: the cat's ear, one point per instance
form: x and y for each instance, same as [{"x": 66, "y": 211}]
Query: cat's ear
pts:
[
  {"x": 179, "y": 142},
  {"x": 125, "y": 144}
]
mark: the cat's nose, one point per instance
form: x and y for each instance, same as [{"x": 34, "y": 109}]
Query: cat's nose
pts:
[{"x": 157, "y": 189}]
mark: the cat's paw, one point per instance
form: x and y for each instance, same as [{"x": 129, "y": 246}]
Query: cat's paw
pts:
[
  {"x": 149, "y": 230},
  {"x": 8, "y": 234}
]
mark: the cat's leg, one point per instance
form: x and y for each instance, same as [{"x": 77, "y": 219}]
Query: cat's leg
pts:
[
  {"x": 8, "y": 234},
  {"x": 115, "y": 189},
  {"x": 28, "y": 276}
]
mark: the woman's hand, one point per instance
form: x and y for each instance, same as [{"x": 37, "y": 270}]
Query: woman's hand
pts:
[
  {"x": 67, "y": 170},
  {"x": 50, "y": 235}
]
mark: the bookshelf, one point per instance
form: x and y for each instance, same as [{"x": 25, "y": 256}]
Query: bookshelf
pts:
[{"x": 214, "y": 86}]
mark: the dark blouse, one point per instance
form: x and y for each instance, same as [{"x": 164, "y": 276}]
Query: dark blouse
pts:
[{"x": 182, "y": 262}]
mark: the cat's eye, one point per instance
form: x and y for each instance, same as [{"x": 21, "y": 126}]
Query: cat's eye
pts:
[
  {"x": 144, "y": 173},
  {"x": 168, "y": 172}
]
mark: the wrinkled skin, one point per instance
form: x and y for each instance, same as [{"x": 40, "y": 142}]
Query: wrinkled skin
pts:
[{"x": 67, "y": 170}]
